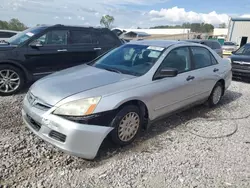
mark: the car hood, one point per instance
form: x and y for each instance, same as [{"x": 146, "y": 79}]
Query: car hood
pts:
[
  {"x": 243, "y": 58},
  {"x": 62, "y": 84},
  {"x": 5, "y": 46},
  {"x": 229, "y": 47}
]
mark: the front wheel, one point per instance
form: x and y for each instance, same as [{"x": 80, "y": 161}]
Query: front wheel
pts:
[
  {"x": 11, "y": 80},
  {"x": 215, "y": 95},
  {"x": 127, "y": 124}
]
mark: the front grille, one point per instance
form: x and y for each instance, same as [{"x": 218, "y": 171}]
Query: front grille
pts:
[
  {"x": 57, "y": 136},
  {"x": 37, "y": 103},
  {"x": 34, "y": 124},
  {"x": 41, "y": 106},
  {"x": 241, "y": 66}
]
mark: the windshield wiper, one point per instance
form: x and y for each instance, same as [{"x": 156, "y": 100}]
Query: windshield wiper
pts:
[
  {"x": 4, "y": 41},
  {"x": 113, "y": 70}
]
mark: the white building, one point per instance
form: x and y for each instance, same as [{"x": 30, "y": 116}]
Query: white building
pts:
[
  {"x": 158, "y": 31},
  {"x": 239, "y": 30}
]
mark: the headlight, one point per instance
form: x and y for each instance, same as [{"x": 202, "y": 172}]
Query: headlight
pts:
[{"x": 79, "y": 107}]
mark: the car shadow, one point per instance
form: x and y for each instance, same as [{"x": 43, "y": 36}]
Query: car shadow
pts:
[
  {"x": 109, "y": 149},
  {"x": 241, "y": 79}
]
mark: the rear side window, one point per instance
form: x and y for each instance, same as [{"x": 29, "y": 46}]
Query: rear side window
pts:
[
  {"x": 216, "y": 45},
  {"x": 80, "y": 37},
  {"x": 6, "y": 34},
  {"x": 201, "y": 57},
  {"x": 104, "y": 37}
]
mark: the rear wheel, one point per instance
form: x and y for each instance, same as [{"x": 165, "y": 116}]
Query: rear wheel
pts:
[
  {"x": 215, "y": 95},
  {"x": 127, "y": 124},
  {"x": 11, "y": 80}
]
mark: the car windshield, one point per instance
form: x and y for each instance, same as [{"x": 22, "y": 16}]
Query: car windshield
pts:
[
  {"x": 130, "y": 59},
  {"x": 244, "y": 50},
  {"x": 25, "y": 35}
]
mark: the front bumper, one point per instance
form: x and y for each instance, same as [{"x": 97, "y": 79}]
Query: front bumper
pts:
[
  {"x": 241, "y": 73},
  {"x": 77, "y": 139}
]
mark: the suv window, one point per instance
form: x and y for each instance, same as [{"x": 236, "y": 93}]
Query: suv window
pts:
[
  {"x": 216, "y": 45},
  {"x": 103, "y": 37},
  {"x": 80, "y": 37},
  {"x": 179, "y": 59},
  {"x": 4, "y": 34},
  {"x": 201, "y": 57},
  {"x": 55, "y": 37}
]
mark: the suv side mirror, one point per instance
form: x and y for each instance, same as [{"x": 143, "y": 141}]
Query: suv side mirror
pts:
[
  {"x": 167, "y": 72},
  {"x": 233, "y": 52},
  {"x": 36, "y": 44}
]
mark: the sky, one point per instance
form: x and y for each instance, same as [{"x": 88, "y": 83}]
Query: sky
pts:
[{"x": 127, "y": 13}]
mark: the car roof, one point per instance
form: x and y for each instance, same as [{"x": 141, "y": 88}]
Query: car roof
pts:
[
  {"x": 71, "y": 26},
  {"x": 200, "y": 40},
  {"x": 11, "y": 31},
  {"x": 159, "y": 43}
]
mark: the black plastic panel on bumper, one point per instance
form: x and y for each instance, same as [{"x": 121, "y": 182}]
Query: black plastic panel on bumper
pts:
[{"x": 241, "y": 73}]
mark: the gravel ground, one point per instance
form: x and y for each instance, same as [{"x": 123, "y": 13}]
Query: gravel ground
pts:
[{"x": 167, "y": 155}]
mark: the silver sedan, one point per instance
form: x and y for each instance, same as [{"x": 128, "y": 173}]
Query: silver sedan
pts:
[{"x": 121, "y": 92}]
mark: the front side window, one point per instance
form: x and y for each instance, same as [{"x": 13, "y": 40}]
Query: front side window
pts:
[
  {"x": 20, "y": 38},
  {"x": 201, "y": 57},
  {"x": 244, "y": 50},
  {"x": 130, "y": 59},
  {"x": 179, "y": 59},
  {"x": 55, "y": 37}
]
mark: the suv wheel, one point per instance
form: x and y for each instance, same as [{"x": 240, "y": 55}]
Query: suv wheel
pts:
[
  {"x": 11, "y": 80},
  {"x": 216, "y": 95},
  {"x": 127, "y": 125}
]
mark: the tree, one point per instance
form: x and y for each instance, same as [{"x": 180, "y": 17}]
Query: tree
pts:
[
  {"x": 107, "y": 20},
  {"x": 13, "y": 24},
  {"x": 223, "y": 25}
]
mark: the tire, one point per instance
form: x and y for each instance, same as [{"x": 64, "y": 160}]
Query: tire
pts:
[
  {"x": 215, "y": 95},
  {"x": 124, "y": 117},
  {"x": 14, "y": 79}
]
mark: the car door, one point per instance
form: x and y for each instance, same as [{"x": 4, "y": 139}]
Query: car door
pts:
[
  {"x": 81, "y": 47},
  {"x": 104, "y": 40},
  {"x": 206, "y": 71},
  {"x": 48, "y": 53},
  {"x": 173, "y": 93}
]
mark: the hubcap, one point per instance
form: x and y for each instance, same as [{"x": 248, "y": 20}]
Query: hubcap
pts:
[
  {"x": 128, "y": 126},
  {"x": 9, "y": 81},
  {"x": 217, "y": 95}
]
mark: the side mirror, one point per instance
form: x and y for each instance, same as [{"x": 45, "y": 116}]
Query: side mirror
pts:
[
  {"x": 233, "y": 52},
  {"x": 36, "y": 44},
  {"x": 167, "y": 72}
]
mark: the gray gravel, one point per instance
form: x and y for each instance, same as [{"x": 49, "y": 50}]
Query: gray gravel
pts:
[{"x": 167, "y": 155}]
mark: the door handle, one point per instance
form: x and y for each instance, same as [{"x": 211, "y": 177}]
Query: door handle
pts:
[
  {"x": 97, "y": 48},
  {"x": 63, "y": 50},
  {"x": 216, "y": 70},
  {"x": 190, "y": 78}
]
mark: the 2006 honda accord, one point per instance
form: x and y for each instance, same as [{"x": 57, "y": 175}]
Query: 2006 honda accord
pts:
[{"x": 121, "y": 92}]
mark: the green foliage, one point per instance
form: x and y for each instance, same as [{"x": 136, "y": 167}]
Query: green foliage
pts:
[
  {"x": 195, "y": 27},
  {"x": 13, "y": 24},
  {"x": 107, "y": 21},
  {"x": 223, "y": 25}
]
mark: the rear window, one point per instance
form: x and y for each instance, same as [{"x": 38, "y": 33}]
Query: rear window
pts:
[{"x": 216, "y": 45}]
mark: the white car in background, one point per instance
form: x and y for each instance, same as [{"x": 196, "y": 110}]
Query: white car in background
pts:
[
  {"x": 5, "y": 34},
  {"x": 229, "y": 47}
]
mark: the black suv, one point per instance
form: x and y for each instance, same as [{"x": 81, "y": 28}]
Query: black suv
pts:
[
  {"x": 39, "y": 51},
  {"x": 241, "y": 62}
]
